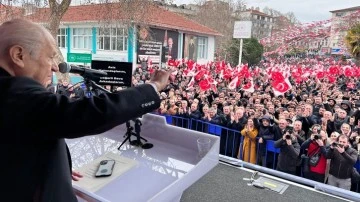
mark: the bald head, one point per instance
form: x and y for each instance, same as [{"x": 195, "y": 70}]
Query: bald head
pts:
[
  {"x": 28, "y": 50},
  {"x": 23, "y": 33}
]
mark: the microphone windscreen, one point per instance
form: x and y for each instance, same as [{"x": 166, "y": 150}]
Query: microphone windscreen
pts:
[{"x": 64, "y": 67}]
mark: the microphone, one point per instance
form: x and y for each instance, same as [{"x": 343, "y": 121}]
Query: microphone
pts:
[{"x": 82, "y": 71}]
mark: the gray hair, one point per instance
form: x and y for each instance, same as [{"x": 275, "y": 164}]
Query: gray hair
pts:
[{"x": 24, "y": 33}]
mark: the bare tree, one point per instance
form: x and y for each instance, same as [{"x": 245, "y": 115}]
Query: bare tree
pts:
[
  {"x": 220, "y": 16},
  {"x": 272, "y": 12},
  {"x": 292, "y": 18},
  {"x": 57, "y": 11}
]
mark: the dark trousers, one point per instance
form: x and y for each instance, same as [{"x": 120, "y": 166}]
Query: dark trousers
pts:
[{"x": 315, "y": 176}]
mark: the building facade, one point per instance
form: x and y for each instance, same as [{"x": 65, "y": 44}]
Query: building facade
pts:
[
  {"x": 84, "y": 35},
  {"x": 340, "y": 21},
  {"x": 262, "y": 24}
]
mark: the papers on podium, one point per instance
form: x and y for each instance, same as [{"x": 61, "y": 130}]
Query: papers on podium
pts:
[{"x": 91, "y": 183}]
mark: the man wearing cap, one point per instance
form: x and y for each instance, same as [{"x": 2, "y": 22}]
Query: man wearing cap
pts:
[{"x": 330, "y": 104}]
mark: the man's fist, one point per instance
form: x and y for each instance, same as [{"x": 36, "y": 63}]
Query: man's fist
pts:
[{"x": 160, "y": 78}]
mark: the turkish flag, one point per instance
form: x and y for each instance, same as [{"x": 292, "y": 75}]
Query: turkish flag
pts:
[
  {"x": 277, "y": 76},
  {"x": 173, "y": 63},
  {"x": 204, "y": 85},
  {"x": 200, "y": 75},
  {"x": 228, "y": 74},
  {"x": 331, "y": 79},
  {"x": 348, "y": 72},
  {"x": 298, "y": 80},
  {"x": 233, "y": 83},
  {"x": 190, "y": 64},
  {"x": 249, "y": 87},
  {"x": 191, "y": 83},
  {"x": 320, "y": 75},
  {"x": 334, "y": 70},
  {"x": 281, "y": 87}
]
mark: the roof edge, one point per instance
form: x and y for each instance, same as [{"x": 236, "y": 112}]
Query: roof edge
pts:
[{"x": 346, "y": 9}]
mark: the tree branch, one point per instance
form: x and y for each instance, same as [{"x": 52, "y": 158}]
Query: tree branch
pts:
[
  {"x": 53, "y": 4},
  {"x": 64, "y": 6}
]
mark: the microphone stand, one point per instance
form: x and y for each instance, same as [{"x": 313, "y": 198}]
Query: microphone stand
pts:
[
  {"x": 92, "y": 86},
  {"x": 138, "y": 142},
  {"x": 128, "y": 134}
]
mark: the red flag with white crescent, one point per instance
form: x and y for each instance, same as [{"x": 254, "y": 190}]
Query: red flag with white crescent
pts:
[
  {"x": 281, "y": 86},
  {"x": 249, "y": 86},
  {"x": 233, "y": 83},
  {"x": 191, "y": 83}
]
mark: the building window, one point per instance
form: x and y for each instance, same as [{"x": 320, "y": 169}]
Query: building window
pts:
[
  {"x": 61, "y": 38},
  {"x": 114, "y": 39},
  {"x": 339, "y": 14},
  {"x": 202, "y": 47},
  {"x": 82, "y": 38}
]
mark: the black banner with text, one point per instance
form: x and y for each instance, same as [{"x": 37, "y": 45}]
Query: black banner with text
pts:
[{"x": 118, "y": 73}]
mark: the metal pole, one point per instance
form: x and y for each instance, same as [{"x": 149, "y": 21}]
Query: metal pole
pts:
[{"x": 240, "y": 51}]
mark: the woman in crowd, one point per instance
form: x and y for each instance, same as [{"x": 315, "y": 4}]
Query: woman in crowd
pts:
[
  {"x": 266, "y": 132},
  {"x": 249, "y": 133}
]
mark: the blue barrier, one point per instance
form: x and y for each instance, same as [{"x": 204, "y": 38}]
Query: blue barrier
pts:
[
  {"x": 214, "y": 129},
  {"x": 168, "y": 119},
  {"x": 357, "y": 165},
  {"x": 270, "y": 147}
]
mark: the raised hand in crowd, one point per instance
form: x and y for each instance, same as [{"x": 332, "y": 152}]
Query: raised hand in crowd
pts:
[
  {"x": 324, "y": 122},
  {"x": 234, "y": 117},
  {"x": 340, "y": 149},
  {"x": 332, "y": 118}
]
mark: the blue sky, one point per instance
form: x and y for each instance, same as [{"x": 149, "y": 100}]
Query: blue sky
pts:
[{"x": 305, "y": 10}]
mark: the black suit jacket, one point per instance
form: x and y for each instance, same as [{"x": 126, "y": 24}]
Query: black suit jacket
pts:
[{"x": 34, "y": 123}]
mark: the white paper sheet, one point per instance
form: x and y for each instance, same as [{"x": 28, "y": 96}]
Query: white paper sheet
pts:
[{"x": 92, "y": 183}]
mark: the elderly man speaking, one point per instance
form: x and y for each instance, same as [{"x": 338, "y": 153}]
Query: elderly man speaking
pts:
[{"x": 34, "y": 122}]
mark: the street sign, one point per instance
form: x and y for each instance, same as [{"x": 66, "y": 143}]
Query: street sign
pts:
[
  {"x": 79, "y": 57},
  {"x": 335, "y": 50},
  {"x": 242, "y": 29}
]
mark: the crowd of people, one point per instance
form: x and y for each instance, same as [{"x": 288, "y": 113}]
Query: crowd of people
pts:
[{"x": 315, "y": 120}]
